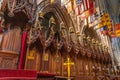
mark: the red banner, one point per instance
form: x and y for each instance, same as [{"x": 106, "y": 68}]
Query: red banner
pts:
[
  {"x": 23, "y": 50},
  {"x": 92, "y": 7},
  {"x": 86, "y": 9}
]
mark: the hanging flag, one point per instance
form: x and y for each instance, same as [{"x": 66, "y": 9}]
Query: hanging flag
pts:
[
  {"x": 77, "y": 11},
  {"x": 106, "y": 20},
  {"x": 117, "y": 29},
  {"x": 112, "y": 34},
  {"x": 78, "y": 2},
  {"x": 91, "y": 7},
  {"x": 81, "y": 12},
  {"x": 78, "y": 7},
  {"x": 87, "y": 14},
  {"x": 91, "y": 20},
  {"x": 81, "y": 7},
  {"x": 82, "y": 16},
  {"x": 100, "y": 25},
  {"x": 88, "y": 8},
  {"x": 85, "y": 3},
  {"x": 109, "y": 24},
  {"x": 75, "y": 5},
  {"x": 69, "y": 6},
  {"x": 104, "y": 30}
]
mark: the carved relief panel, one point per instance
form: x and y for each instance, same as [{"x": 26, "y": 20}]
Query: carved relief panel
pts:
[{"x": 8, "y": 61}]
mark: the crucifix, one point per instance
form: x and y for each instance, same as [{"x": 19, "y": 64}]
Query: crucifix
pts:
[{"x": 68, "y": 63}]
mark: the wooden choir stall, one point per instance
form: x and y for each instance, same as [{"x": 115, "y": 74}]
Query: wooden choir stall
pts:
[{"x": 40, "y": 43}]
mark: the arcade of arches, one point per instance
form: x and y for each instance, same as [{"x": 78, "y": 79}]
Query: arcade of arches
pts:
[{"x": 43, "y": 37}]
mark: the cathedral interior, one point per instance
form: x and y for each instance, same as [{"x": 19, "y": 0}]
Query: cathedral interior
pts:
[{"x": 59, "y": 40}]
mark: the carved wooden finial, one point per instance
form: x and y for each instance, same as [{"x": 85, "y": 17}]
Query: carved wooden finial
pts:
[
  {"x": 41, "y": 15},
  {"x": 89, "y": 38},
  {"x": 62, "y": 25},
  {"x": 78, "y": 33},
  {"x": 84, "y": 36},
  {"x": 71, "y": 30},
  {"x": 93, "y": 41},
  {"x": 52, "y": 20}
]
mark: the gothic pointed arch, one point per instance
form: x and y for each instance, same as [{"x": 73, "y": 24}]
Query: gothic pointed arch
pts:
[{"x": 59, "y": 12}]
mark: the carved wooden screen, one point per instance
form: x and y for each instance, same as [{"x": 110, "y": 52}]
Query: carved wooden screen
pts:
[
  {"x": 31, "y": 59},
  {"x": 73, "y": 67},
  {"x": 90, "y": 67},
  {"x": 56, "y": 64},
  {"x": 64, "y": 70},
  {"x": 10, "y": 48},
  {"x": 11, "y": 40},
  {"x": 79, "y": 66},
  {"x": 1, "y": 38},
  {"x": 45, "y": 61}
]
